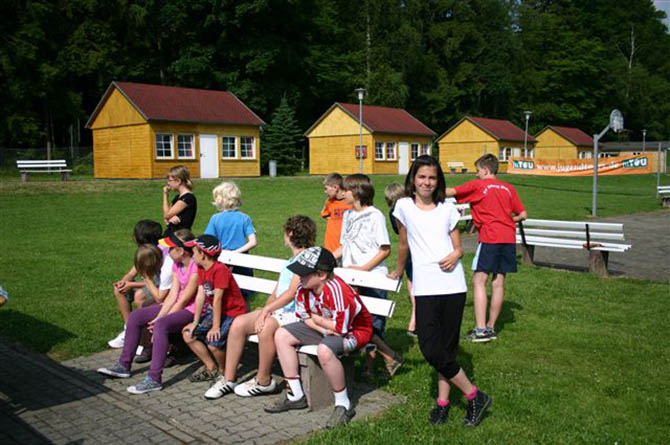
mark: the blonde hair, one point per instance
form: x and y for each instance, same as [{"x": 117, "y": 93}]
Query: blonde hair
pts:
[
  {"x": 227, "y": 196},
  {"x": 181, "y": 172},
  {"x": 333, "y": 179},
  {"x": 148, "y": 260},
  {"x": 393, "y": 192}
]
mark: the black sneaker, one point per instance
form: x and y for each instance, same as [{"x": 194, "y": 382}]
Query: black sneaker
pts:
[
  {"x": 340, "y": 416},
  {"x": 478, "y": 336},
  {"x": 144, "y": 357},
  {"x": 284, "y": 404},
  {"x": 439, "y": 414},
  {"x": 493, "y": 334},
  {"x": 476, "y": 409}
]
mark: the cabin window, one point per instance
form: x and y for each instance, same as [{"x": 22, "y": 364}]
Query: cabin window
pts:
[
  {"x": 504, "y": 153},
  {"x": 185, "y": 148},
  {"x": 390, "y": 151},
  {"x": 425, "y": 149},
  {"x": 527, "y": 153},
  {"x": 379, "y": 151},
  {"x": 247, "y": 147},
  {"x": 414, "y": 151},
  {"x": 164, "y": 146},
  {"x": 228, "y": 147},
  {"x": 584, "y": 154}
]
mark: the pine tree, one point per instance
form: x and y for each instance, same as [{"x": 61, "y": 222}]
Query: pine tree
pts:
[{"x": 282, "y": 140}]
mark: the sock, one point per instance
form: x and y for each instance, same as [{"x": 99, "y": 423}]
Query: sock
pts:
[
  {"x": 294, "y": 389},
  {"x": 342, "y": 399},
  {"x": 472, "y": 394},
  {"x": 442, "y": 402}
]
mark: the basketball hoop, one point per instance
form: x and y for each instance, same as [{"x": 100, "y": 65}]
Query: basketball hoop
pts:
[{"x": 616, "y": 121}]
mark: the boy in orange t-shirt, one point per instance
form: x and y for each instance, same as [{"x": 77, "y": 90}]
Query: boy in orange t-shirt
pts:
[{"x": 333, "y": 210}]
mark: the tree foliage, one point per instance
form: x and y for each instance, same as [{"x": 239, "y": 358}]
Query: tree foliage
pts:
[
  {"x": 283, "y": 140},
  {"x": 570, "y": 62}
]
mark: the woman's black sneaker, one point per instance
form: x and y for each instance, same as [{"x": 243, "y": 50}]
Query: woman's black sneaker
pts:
[
  {"x": 439, "y": 414},
  {"x": 476, "y": 409},
  {"x": 144, "y": 357}
]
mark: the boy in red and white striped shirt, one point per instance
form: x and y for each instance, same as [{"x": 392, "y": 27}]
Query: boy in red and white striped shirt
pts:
[{"x": 332, "y": 317}]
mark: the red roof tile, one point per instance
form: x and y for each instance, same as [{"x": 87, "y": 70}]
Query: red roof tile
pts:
[
  {"x": 574, "y": 135},
  {"x": 387, "y": 120},
  {"x": 500, "y": 129},
  {"x": 162, "y": 103}
]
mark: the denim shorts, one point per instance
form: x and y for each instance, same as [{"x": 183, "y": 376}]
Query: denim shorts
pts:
[{"x": 205, "y": 325}]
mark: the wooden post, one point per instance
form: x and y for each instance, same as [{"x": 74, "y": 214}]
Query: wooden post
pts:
[
  {"x": 598, "y": 260},
  {"x": 314, "y": 383}
]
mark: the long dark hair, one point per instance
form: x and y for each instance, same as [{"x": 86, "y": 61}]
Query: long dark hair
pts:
[{"x": 426, "y": 161}]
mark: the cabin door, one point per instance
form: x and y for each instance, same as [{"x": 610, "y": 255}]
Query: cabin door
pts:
[
  {"x": 209, "y": 161},
  {"x": 403, "y": 158}
]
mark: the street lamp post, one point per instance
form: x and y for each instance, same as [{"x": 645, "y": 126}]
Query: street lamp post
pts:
[
  {"x": 644, "y": 140},
  {"x": 525, "y": 134},
  {"x": 361, "y": 95},
  {"x": 616, "y": 124}
]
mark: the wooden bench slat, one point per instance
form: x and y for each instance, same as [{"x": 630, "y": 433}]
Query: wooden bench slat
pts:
[
  {"x": 574, "y": 234},
  {"x": 571, "y": 244},
  {"x": 252, "y": 261},
  {"x": 547, "y": 223}
]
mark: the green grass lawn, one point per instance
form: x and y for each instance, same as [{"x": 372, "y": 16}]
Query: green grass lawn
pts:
[{"x": 578, "y": 359}]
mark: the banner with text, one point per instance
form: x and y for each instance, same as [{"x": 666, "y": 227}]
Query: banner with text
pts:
[{"x": 618, "y": 165}]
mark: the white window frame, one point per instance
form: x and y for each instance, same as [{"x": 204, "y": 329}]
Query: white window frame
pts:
[
  {"x": 585, "y": 154},
  {"x": 504, "y": 153},
  {"x": 392, "y": 146},
  {"x": 235, "y": 147},
  {"x": 253, "y": 148},
  {"x": 171, "y": 155},
  {"x": 379, "y": 146},
  {"x": 425, "y": 149},
  {"x": 179, "y": 156},
  {"x": 412, "y": 154},
  {"x": 528, "y": 153}
]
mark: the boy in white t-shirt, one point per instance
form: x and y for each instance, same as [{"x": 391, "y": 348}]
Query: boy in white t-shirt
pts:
[{"x": 365, "y": 245}]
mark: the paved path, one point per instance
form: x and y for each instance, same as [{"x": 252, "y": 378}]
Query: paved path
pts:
[
  {"x": 647, "y": 259},
  {"x": 42, "y": 401}
]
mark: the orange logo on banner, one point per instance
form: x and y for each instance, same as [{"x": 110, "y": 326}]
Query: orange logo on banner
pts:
[{"x": 619, "y": 165}]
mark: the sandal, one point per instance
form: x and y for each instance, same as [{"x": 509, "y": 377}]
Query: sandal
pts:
[
  {"x": 395, "y": 364},
  {"x": 204, "y": 375}
]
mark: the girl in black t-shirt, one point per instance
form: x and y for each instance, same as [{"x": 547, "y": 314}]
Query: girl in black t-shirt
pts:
[{"x": 181, "y": 213}]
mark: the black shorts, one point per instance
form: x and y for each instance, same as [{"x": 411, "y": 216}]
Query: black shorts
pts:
[{"x": 495, "y": 258}]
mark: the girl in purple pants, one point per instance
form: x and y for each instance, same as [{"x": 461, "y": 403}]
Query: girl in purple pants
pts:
[{"x": 160, "y": 319}]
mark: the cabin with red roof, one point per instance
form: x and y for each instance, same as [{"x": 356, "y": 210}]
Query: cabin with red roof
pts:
[
  {"x": 555, "y": 142},
  {"x": 392, "y": 138},
  {"x": 141, "y": 131},
  {"x": 473, "y": 137}
]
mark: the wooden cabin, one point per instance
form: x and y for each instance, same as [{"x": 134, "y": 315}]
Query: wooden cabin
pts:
[
  {"x": 141, "y": 130},
  {"x": 472, "y": 137},
  {"x": 555, "y": 142},
  {"x": 392, "y": 138}
]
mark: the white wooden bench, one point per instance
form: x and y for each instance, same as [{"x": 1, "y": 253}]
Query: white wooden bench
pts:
[
  {"x": 456, "y": 167},
  {"x": 664, "y": 192},
  {"x": 599, "y": 239},
  {"x": 313, "y": 379},
  {"x": 44, "y": 166}
]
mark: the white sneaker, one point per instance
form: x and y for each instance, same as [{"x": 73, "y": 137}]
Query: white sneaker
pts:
[
  {"x": 252, "y": 388},
  {"x": 117, "y": 342},
  {"x": 220, "y": 388}
]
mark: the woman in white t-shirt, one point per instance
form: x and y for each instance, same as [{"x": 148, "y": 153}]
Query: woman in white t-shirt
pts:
[{"x": 428, "y": 228}]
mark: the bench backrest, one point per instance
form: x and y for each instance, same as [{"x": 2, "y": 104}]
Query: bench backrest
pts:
[
  {"x": 455, "y": 164},
  {"x": 352, "y": 277},
  {"x": 571, "y": 233},
  {"x": 463, "y": 209},
  {"x": 54, "y": 163},
  {"x": 663, "y": 188}
]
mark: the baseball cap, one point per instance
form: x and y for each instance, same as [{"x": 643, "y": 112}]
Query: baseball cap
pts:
[
  {"x": 311, "y": 260},
  {"x": 171, "y": 241},
  {"x": 207, "y": 243}
]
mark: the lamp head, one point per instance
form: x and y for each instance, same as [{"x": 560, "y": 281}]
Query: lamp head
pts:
[
  {"x": 361, "y": 93},
  {"x": 527, "y": 113}
]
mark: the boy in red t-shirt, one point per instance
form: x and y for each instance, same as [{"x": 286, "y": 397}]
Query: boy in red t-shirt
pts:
[
  {"x": 496, "y": 208},
  {"x": 333, "y": 210},
  {"x": 332, "y": 317},
  {"x": 217, "y": 303}
]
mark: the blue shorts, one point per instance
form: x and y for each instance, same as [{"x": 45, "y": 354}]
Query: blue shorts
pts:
[
  {"x": 205, "y": 325},
  {"x": 495, "y": 258},
  {"x": 378, "y": 322}
]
